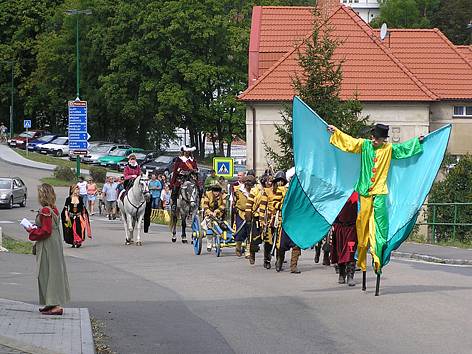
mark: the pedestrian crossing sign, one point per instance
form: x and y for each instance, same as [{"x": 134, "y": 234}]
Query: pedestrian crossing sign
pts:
[{"x": 224, "y": 166}]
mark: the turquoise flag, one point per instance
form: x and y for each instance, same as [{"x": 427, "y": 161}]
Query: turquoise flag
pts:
[{"x": 325, "y": 178}]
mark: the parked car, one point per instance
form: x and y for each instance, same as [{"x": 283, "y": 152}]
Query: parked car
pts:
[
  {"x": 163, "y": 164},
  {"x": 141, "y": 158},
  {"x": 12, "y": 191},
  {"x": 116, "y": 156},
  {"x": 91, "y": 145},
  {"x": 57, "y": 147},
  {"x": 19, "y": 141},
  {"x": 34, "y": 145},
  {"x": 95, "y": 153}
]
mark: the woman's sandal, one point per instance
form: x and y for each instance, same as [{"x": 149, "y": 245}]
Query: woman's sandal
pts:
[
  {"x": 46, "y": 308},
  {"x": 51, "y": 312}
]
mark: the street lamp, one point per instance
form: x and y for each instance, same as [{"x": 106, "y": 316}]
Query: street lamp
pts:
[
  {"x": 11, "y": 62},
  {"x": 78, "y": 12}
]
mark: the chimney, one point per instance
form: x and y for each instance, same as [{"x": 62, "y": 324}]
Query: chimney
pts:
[{"x": 327, "y": 6}]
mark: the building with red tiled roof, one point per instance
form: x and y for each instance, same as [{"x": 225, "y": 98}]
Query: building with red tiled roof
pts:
[
  {"x": 414, "y": 80},
  {"x": 466, "y": 51}
]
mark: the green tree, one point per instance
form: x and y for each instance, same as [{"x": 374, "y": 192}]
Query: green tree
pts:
[
  {"x": 319, "y": 86},
  {"x": 406, "y": 13},
  {"x": 452, "y": 18}
]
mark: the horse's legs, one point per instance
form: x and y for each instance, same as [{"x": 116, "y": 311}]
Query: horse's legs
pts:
[
  {"x": 174, "y": 225},
  {"x": 138, "y": 231},
  {"x": 184, "y": 226},
  {"x": 125, "y": 223},
  {"x": 130, "y": 227}
]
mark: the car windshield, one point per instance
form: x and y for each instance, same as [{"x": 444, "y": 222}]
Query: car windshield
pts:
[
  {"x": 5, "y": 184},
  {"x": 101, "y": 148},
  {"x": 46, "y": 138},
  {"x": 29, "y": 134},
  {"x": 118, "y": 152},
  {"x": 140, "y": 156},
  {"x": 164, "y": 159},
  {"x": 59, "y": 141}
]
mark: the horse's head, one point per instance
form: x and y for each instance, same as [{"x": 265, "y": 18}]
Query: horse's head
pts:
[
  {"x": 142, "y": 183},
  {"x": 189, "y": 192}
]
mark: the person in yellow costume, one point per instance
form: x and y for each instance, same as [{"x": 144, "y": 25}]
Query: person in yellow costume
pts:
[
  {"x": 214, "y": 206},
  {"x": 376, "y": 154}
]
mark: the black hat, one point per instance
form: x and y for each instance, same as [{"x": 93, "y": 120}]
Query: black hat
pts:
[
  {"x": 280, "y": 176},
  {"x": 380, "y": 131}
]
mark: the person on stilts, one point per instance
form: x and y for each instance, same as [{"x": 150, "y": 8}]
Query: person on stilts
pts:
[
  {"x": 266, "y": 217},
  {"x": 241, "y": 193}
]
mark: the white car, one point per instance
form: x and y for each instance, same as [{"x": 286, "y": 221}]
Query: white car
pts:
[{"x": 57, "y": 147}]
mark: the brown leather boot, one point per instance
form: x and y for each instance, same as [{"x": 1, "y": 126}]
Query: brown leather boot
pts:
[
  {"x": 239, "y": 246},
  {"x": 296, "y": 252},
  {"x": 279, "y": 261},
  {"x": 267, "y": 255},
  {"x": 252, "y": 257}
]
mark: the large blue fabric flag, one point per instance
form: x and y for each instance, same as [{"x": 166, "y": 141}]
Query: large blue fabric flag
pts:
[{"x": 325, "y": 178}]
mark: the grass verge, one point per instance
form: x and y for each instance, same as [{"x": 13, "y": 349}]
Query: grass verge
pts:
[
  {"x": 15, "y": 246},
  {"x": 55, "y": 182},
  {"x": 99, "y": 337}
]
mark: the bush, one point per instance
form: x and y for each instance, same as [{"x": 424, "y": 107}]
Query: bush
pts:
[
  {"x": 64, "y": 173},
  {"x": 455, "y": 188},
  {"x": 98, "y": 174}
]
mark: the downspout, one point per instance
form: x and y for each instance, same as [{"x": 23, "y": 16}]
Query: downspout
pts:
[{"x": 254, "y": 152}]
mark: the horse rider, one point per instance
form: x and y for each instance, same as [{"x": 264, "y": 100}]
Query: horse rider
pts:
[
  {"x": 132, "y": 170},
  {"x": 284, "y": 242},
  {"x": 214, "y": 208},
  {"x": 266, "y": 216},
  {"x": 184, "y": 165},
  {"x": 241, "y": 194},
  {"x": 254, "y": 219}
]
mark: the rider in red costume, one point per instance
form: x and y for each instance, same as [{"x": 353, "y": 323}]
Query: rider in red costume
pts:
[
  {"x": 132, "y": 170},
  {"x": 184, "y": 164}
]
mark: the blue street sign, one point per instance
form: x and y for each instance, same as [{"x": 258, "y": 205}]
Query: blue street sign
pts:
[
  {"x": 78, "y": 135},
  {"x": 27, "y": 124}
]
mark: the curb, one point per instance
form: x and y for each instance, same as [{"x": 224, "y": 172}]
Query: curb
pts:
[
  {"x": 24, "y": 165},
  {"x": 431, "y": 259},
  {"x": 88, "y": 346}
]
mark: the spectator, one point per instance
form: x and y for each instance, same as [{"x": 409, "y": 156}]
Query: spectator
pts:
[
  {"x": 119, "y": 184},
  {"x": 155, "y": 187},
  {"x": 110, "y": 193},
  {"x": 165, "y": 197},
  {"x": 91, "y": 195},
  {"x": 53, "y": 283},
  {"x": 82, "y": 184},
  {"x": 223, "y": 183},
  {"x": 210, "y": 180}
]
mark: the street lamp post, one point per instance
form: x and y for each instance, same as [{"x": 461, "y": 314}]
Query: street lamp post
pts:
[{"x": 77, "y": 13}]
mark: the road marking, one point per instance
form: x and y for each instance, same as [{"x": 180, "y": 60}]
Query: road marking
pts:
[{"x": 6, "y": 222}]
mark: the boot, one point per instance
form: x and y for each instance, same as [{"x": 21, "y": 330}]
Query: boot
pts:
[
  {"x": 267, "y": 257},
  {"x": 350, "y": 269},
  {"x": 296, "y": 252},
  {"x": 336, "y": 268},
  {"x": 317, "y": 252},
  {"x": 279, "y": 261},
  {"x": 239, "y": 246},
  {"x": 326, "y": 260},
  {"x": 252, "y": 257},
  {"x": 342, "y": 274}
]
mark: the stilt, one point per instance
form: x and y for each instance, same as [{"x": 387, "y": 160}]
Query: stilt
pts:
[
  {"x": 377, "y": 286},
  {"x": 363, "y": 280}
]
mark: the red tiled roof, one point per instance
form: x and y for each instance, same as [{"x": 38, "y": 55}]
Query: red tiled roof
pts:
[
  {"x": 369, "y": 68},
  {"x": 465, "y": 50},
  {"x": 434, "y": 60}
]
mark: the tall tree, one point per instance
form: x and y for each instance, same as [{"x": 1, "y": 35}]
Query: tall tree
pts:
[
  {"x": 318, "y": 85},
  {"x": 406, "y": 13},
  {"x": 452, "y": 18}
]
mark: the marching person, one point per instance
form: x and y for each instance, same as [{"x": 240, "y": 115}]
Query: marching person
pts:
[
  {"x": 132, "y": 170},
  {"x": 75, "y": 219},
  {"x": 241, "y": 195},
  {"x": 284, "y": 243},
  {"x": 253, "y": 219},
  {"x": 344, "y": 241},
  {"x": 183, "y": 165},
  {"x": 53, "y": 283},
  {"x": 214, "y": 206}
]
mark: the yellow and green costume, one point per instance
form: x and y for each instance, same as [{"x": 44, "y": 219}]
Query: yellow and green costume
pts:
[{"x": 372, "y": 221}]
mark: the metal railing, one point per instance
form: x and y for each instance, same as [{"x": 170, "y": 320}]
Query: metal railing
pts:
[{"x": 433, "y": 223}]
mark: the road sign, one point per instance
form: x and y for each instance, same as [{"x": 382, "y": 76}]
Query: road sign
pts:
[
  {"x": 78, "y": 135},
  {"x": 224, "y": 166},
  {"x": 27, "y": 124}
]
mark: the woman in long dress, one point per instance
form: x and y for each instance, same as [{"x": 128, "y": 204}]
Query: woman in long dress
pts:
[
  {"x": 75, "y": 219},
  {"x": 53, "y": 283}
]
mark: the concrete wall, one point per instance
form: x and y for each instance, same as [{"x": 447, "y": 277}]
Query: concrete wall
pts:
[
  {"x": 460, "y": 142},
  {"x": 406, "y": 120}
]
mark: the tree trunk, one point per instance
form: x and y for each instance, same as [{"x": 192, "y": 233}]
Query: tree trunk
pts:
[
  {"x": 213, "y": 140},
  {"x": 228, "y": 150}
]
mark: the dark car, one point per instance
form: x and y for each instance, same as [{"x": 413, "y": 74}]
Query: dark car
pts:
[
  {"x": 141, "y": 158},
  {"x": 12, "y": 191},
  {"x": 34, "y": 145},
  {"x": 163, "y": 164},
  {"x": 20, "y": 140}
]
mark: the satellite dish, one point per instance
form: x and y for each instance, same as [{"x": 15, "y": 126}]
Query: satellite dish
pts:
[{"x": 383, "y": 31}]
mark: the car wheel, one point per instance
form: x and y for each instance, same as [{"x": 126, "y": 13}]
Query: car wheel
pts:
[
  {"x": 23, "y": 203},
  {"x": 59, "y": 153},
  {"x": 10, "y": 205}
]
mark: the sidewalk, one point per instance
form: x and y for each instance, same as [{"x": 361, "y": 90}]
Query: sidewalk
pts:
[
  {"x": 10, "y": 156},
  {"x": 433, "y": 253},
  {"x": 24, "y": 330}
]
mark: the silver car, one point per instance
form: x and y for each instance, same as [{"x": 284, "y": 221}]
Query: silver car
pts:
[{"x": 12, "y": 191}]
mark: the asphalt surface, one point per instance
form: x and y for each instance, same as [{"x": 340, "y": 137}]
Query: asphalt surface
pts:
[{"x": 160, "y": 298}]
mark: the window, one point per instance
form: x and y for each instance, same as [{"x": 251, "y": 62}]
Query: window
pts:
[{"x": 463, "y": 111}]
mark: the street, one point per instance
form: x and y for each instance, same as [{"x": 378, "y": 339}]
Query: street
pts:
[{"x": 161, "y": 298}]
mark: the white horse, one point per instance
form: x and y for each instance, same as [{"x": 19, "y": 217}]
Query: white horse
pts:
[{"x": 132, "y": 206}]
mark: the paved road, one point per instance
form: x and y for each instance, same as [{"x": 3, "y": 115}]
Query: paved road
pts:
[{"x": 160, "y": 298}]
